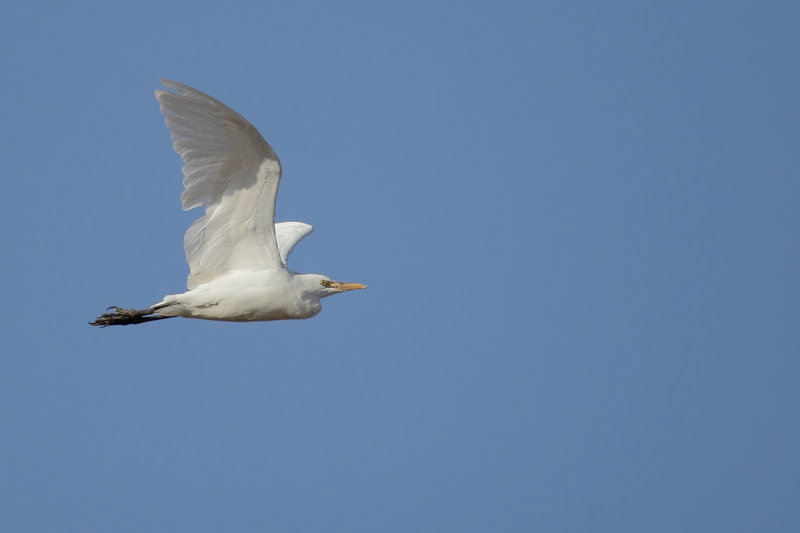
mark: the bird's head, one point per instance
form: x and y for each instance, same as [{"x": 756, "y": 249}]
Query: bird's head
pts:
[{"x": 323, "y": 286}]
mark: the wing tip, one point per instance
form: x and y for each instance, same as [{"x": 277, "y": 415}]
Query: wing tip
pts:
[
  {"x": 172, "y": 84},
  {"x": 161, "y": 93},
  {"x": 181, "y": 89}
]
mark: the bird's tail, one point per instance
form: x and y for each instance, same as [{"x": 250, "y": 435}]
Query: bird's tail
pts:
[{"x": 125, "y": 317}]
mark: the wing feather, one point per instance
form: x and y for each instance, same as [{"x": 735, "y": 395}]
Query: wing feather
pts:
[
  {"x": 234, "y": 173},
  {"x": 288, "y": 235}
]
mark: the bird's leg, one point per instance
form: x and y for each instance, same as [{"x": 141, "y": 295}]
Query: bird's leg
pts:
[{"x": 124, "y": 317}]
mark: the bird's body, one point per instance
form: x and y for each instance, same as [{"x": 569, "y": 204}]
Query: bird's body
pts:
[
  {"x": 242, "y": 296},
  {"x": 237, "y": 255}
]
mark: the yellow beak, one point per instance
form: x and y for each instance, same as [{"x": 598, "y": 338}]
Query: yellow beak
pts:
[{"x": 339, "y": 286}]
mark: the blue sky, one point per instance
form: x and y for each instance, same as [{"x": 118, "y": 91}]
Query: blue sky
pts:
[{"x": 579, "y": 226}]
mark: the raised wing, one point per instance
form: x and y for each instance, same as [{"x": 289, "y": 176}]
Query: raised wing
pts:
[
  {"x": 288, "y": 235},
  {"x": 231, "y": 170}
]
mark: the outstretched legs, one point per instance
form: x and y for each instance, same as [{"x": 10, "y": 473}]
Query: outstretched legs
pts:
[{"x": 124, "y": 317}]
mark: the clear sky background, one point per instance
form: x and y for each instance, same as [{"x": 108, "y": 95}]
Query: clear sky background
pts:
[{"x": 579, "y": 224}]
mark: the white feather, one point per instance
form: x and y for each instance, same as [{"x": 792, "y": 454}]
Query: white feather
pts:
[{"x": 288, "y": 235}]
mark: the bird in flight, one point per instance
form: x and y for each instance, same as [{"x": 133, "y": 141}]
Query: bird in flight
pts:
[{"x": 237, "y": 254}]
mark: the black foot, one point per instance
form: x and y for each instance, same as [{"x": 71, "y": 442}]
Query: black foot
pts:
[{"x": 124, "y": 317}]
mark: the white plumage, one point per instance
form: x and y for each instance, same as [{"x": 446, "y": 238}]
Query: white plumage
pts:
[{"x": 237, "y": 255}]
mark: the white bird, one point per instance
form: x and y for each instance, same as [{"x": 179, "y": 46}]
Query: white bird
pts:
[{"x": 236, "y": 252}]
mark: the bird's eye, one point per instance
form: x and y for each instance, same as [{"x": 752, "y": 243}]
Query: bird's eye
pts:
[{"x": 325, "y": 283}]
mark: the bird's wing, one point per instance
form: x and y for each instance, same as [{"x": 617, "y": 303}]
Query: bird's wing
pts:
[
  {"x": 288, "y": 235},
  {"x": 231, "y": 170}
]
